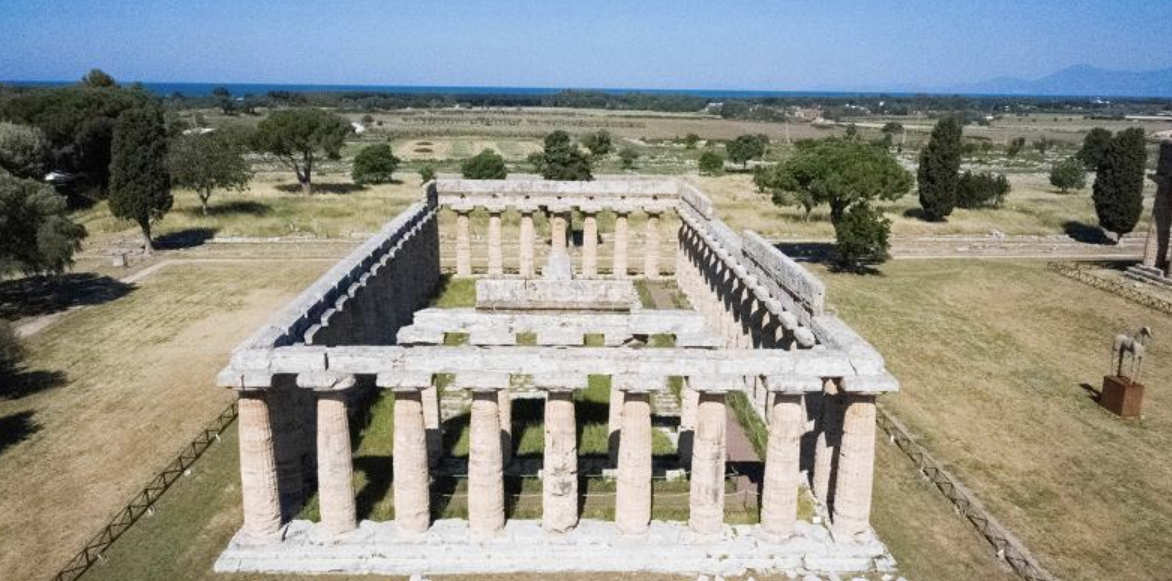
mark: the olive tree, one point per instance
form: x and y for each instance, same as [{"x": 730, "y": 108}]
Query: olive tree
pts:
[
  {"x": 206, "y": 162},
  {"x": 297, "y": 137},
  {"x": 36, "y": 234}
]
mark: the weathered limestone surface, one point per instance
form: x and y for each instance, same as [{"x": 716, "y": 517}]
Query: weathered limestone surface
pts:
[
  {"x": 486, "y": 493},
  {"x": 505, "y": 408},
  {"x": 555, "y": 295},
  {"x": 621, "y": 244},
  {"x": 335, "y": 473},
  {"x": 827, "y": 443},
  {"x": 706, "y": 500},
  {"x": 589, "y": 246},
  {"x": 525, "y": 253},
  {"x": 856, "y": 467},
  {"x": 411, "y": 478},
  {"x": 651, "y": 248},
  {"x": 557, "y": 232},
  {"x": 690, "y": 400},
  {"x": 779, "y": 501},
  {"x": 258, "y": 469},
  {"x": 633, "y": 497},
  {"x": 432, "y": 424},
  {"x": 495, "y": 260},
  {"x": 560, "y": 470},
  {"x": 614, "y": 423},
  {"x": 463, "y": 245}
]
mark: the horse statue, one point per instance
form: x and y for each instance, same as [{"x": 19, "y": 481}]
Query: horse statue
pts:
[{"x": 1133, "y": 346}]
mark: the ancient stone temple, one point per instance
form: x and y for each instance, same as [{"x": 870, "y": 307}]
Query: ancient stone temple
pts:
[
  {"x": 1157, "y": 264},
  {"x": 756, "y": 325}
]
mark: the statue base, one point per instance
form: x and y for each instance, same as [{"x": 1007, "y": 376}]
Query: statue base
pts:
[{"x": 1121, "y": 396}]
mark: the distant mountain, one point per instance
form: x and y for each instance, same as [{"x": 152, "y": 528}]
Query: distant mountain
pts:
[{"x": 1079, "y": 80}]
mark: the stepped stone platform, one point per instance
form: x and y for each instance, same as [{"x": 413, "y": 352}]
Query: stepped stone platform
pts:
[{"x": 449, "y": 547}]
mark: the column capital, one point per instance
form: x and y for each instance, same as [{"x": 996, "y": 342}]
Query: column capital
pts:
[
  {"x": 590, "y": 208},
  {"x": 715, "y": 384},
  {"x": 793, "y": 384},
  {"x": 527, "y": 209},
  {"x": 325, "y": 381},
  {"x": 560, "y": 382},
  {"x": 495, "y": 207},
  {"x": 482, "y": 382},
  {"x": 463, "y": 208},
  {"x": 638, "y": 383},
  {"x": 404, "y": 381}
]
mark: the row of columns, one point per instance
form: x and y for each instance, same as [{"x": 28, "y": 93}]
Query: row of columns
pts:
[
  {"x": 559, "y": 224},
  {"x": 415, "y": 453}
]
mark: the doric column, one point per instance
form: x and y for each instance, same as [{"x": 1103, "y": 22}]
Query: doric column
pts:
[
  {"x": 525, "y": 253},
  {"x": 486, "y": 489},
  {"x": 410, "y": 462},
  {"x": 335, "y": 471},
  {"x": 589, "y": 243},
  {"x": 560, "y": 467},
  {"x": 651, "y": 246},
  {"x": 557, "y": 229},
  {"x": 633, "y": 497},
  {"x": 495, "y": 261},
  {"x": 825, "y": 447},
  {"x": 621, "y": 244},
  {"x": 614, "y": 423},
  {"x": 505, "y": 409},
  {"x": 258, "y": 468},
  {"x": 689, "y": 401},
  {"x": 463, "y": 244},
  {"x": 856, "y": 465},
  {"x": 779, "y": 500},
  {"x": 706, "y": 499},
  {"x": 432, "y": 424}
]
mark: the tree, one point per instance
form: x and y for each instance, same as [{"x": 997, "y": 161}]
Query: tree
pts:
[
  {"x": 374, "y": 164},
  {"x": 599, "y": 143},
  {"x": 744, "y": 148},
  {"x": 298, "y": 136},
  {"x": 1119, "y": 182},
  {"x": 838, "y": 173},
  {"x": 861, "y": 237},
  {"x": 36, "y": 235},
  {"x": 140, "y": 184},
  {"x": 711, "y": 163},
  {"x": 224, "y": 100},
  {"x": 976, "y": 190},
  {"x": 486, "y": 165},
  {"x": 1069, "y": 174},
  {"x": 206, "y": 162},
  {"x": 562, "y": 160},
  {"x": 627, "y": 157},
  {"x": 23, "y": 150},
  {"x": 426, "y": 174},
  {"x": 98, "y": 78},
  {"x": 939, "y": 170},
  {"x": 1094, "y": 147},
  {"x": 852, "y": 132},
  {"x": 890, "y": 129},
  {"x": 690, "y": 141},
  {"x": 1013, "y": 149}
]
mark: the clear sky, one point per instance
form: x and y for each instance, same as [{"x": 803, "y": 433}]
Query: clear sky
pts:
[{"x": 710, "y": 44}]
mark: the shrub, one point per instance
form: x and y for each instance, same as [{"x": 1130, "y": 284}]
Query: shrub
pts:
[
  {"x": 562, "y": 160},
  {"x": 627, "y": 157},
  {"x": 1069, "y": 174},
  {"x": 975, "y": 190},
  {"x": 861, "y": 237},
  {"x": 486, "y": 165},
  {"x": 426, "y": 174},
  {"x": 711, "y": 164},
  {"x": 690, "y": 141},
  {"x": 599, "y": 143},
  {"x": 374, "y": 164}
]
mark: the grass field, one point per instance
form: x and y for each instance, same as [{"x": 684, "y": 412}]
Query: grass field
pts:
[
  {"x": 999, "y": 362},
  {"x": 112, "y": 393}
]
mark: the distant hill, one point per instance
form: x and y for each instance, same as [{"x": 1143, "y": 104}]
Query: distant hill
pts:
[{"x": 1080, "y": 80}]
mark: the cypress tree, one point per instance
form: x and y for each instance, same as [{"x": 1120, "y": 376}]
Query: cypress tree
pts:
[
  {"x": 140, "y": 184},
  {"x": 1119, "y": 182},
  {"x": 1094, "y": 147},
  {"x": 939, "y": 171}
]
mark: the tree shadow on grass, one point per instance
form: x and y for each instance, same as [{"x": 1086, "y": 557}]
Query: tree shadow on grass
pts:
[
  {"x": 246, "y": 207},
  {"x": 188, "y": 238},
  {"x": 26, "y": 382},
  {"x": 16, "y": 428},
  {"x": 323, "y": 188},
  {"x": 379, "y": 475},
  {"x": 1085, "y": 233},
  {"x": 34, "y": 296}
]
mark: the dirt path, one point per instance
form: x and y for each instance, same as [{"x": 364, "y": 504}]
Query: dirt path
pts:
[{"x": 1056, "y": 247}]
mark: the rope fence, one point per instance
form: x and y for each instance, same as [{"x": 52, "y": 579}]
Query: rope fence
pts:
[
  {"x": 144, "y": 501},
  {"x": 1115, "y": 287},
  {"x": 1008, "y": 547}
]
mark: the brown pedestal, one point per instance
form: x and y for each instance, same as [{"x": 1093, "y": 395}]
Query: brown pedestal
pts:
[{"x": 1121, "y": 396}]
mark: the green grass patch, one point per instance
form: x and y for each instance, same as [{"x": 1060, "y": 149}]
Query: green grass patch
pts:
[
  {"x": 754, "y": 427},
  {"x": 454, "y": 293}
]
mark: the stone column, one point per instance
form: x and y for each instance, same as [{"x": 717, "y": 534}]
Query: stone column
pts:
[
  {"x": 432, "y": 425},
  {"x": 633, "y": 498},
  {"x": 557, "y": 230},
  {"x": 560, "y": 470},
  {"x": 495, "y": 261},
  {"x": 689, "y": 401},
  {"x": 621, "y": 243},
  {"x": 614, "y": 424},
  {"x": 258, "y": 468},
  {"x": 856, "y": 467},
  {"x": 335, "y": 473},
  {"x": 826, "y": 445},
  {"x": 589, "y": 245},
  {"x": 463, "y": 244},
  {"x": 779, "y": 499},
  {"x": 505, "y": 408},
  {"x": 410, "y": 463},
  {"x": 706, "y": 498},
  {"x": 525, "y": 253},
  {"x": 651, "y": 247},
  {"x": 1157, "y": 252},
  {"x": 486, "y": 488}
]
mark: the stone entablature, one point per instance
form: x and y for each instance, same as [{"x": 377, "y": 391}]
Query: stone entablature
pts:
[{"x": 625, "y": 196}]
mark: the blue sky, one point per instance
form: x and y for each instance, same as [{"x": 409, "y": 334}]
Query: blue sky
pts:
[{"x": 739, "y": 44}]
